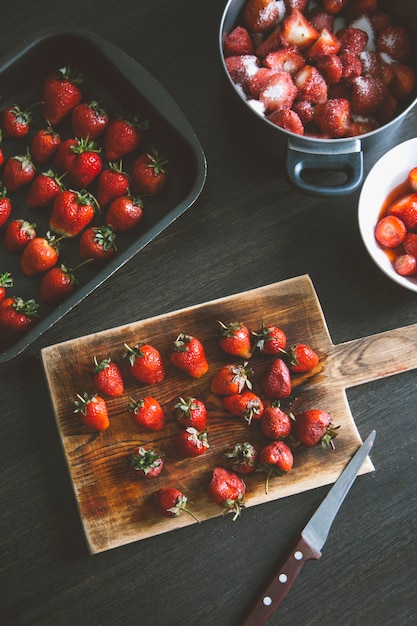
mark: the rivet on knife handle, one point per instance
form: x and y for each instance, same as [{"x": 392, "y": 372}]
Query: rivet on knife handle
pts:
[{"x": 312, "y": 539}]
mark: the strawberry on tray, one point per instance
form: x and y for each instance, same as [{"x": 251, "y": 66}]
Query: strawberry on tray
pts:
[{"x": 90, "y": 142}]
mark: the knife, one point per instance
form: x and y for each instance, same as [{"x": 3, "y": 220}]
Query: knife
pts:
[{"x": 312, "y": 539}]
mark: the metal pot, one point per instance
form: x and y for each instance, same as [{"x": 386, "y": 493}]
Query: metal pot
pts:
[{"x": 303, "y": 153}]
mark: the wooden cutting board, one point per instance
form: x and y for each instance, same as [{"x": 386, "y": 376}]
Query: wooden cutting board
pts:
[{"x": 115, "y": 504}]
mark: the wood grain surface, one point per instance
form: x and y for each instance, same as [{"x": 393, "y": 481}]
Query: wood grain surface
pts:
[{"x": 115, "y": 505}]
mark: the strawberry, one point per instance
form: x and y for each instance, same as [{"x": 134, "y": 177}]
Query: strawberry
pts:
[
  {"x": 45, "y": 143},
  {"x": 43, "y": 189},
  {"x": 279, "y": 92},
  {"x": 71, "y": 212},
  {"x": 15, "y": 123},
  {"x": 405, "y": 265},
  {"x": 304, "y": 110},
  {"x": 356, "y": 8},
  {"x": 235, "y": 339},
  {"x": 5, "y": 205},
  {"x": 410, "y": 244},
  {"x": 390, "y": 231},
  {"x": 333, "y": 117},
  {"x": 302, "y": 358},
  {"x": 230, "y": 379},
  {"x": 191, "y": 443},
  {"x": 237, "y": 42},
  {"x": 6, "y": 281},
  {"x": 311, "y": 85},
  {"x": 275, "y": 459},
  {"x": 18, "y": 171},
  {"x": 191, "y": 412},
  {"x": 57, "y": 284},
  {"x": 1, "y": 151},
  {"x": 246, "y": 405},
  {"x": 89, "y": 120},
  {"x": 60, "y": 94},
  {"x": 368, "y": 94},
  {"x": 353, "y": 40},
  {"x": 404, "y": 81},
  {"x": 188, "y": 355},
  {"x": 394, "y": 41},
  {"x": 260, "y": 15},
  {"x": 270, "y": 339},
  {"x": 123, "y": 135},
  {"x": 145, "y": 363},
  {"x": 86, "y": 165},
  {"x": 330, "y": 67},
  {"x": 275, "y": 423},
  {"x": 170, "y": 502},
  {"x": 285, "y": 60},
  {"x": 287, "y": 119},
  {"x": 148, "y": 462},
  {"x": 149, "y": 174},
  {"x": 98, "y": 243},
  {"x": 107, "y": 378},
  {"x": 314, "y": 427},
  {"x": 298, "y": 31},
  {"x": 320, "y": 18},
  {"x": 412, "y": 179},
  {"x": 326, "y": 43},
  {"x": 17, "y": 316},
  {"x": 242, "y": 68},
  {"x": 334, "y": 6},
  {"x": 147, "y": 412},
  {"x": 276, "y": 382},
  {"x": 124, "y": 213},
  {"x": 65, "y": 155},
  {"x": 301, "y": 5},
  {"x": 39, "y": 255},
  {"x": 18, "y": 233},
  {"x": 405, "y": 208},
  {"x": 228, "y": 490},
  {"x": 242, "y": 458},
  {"x": 112, "y": 183},
  {"x": 351, "y": 66}
]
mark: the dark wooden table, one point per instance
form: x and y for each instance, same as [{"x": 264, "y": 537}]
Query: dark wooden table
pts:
[{"x": 248, "y": 228}]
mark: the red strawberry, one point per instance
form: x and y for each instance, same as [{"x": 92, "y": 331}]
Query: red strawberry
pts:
[
  {"x": 89, "y": 120},
  {"x": 356, "y": 8},
  {"x": 275, "y": 424},
  {"x": 191, "y": 443},
  {"x": 147, "y": 462},
  {"x": 147, "y": 412},
  {"x": 279, "y": 92},
  {"x": 320, "y": 18},
  {"x": 230, "y": 379},
  {"x": 334, "y": 6},
  {"x": 98, "y": 243},
  {"x": 259, "y": 80},
  {"x": 237, "y": 42},
  {"x": 86, "y": 165},
  {"x": 302, "y": 358},
  {"x": 276, "y": 382},
  {"x": 405, "y": 208},
  {"x": 260, "y": 15},
  {"x": 394, "y": 41},
  {"x": 188, "y": 355},
  {"x": 123, "y": 135},
  {"x": 235, "y": 339},
  {"x": 6, "y": 281},
  {"x": 191, "y": 412},
  {"x": 314, "y": 427},
  {"x": 71, "y": 212},
  {"x": 270, "y": 339},
  {"x": 351, "y": 66},
  {"x": 57, "y": 284},
  {"x": 17, "y": 316},
  {"x": 298, "y": 31},
  {"x": 5, "y": 205},
  {"x": 60, "y": 94},
  {"x": 241, "y": 69},
  {"x": 18, "y": 171},
  {"x": 287, "y": 119},
  {"x": 327, "y": 43},
  {"x": 405, "y": 265},
  {"x": 145, "y": 363},
  {"x": 39, "y": 255},
  {"x": 18, "y": 234},
  {"x": 311, "y": 85},
  {"x": 65, "y": 155},
  {"x": 301, "y": 5},
  {"x": 275, "y": 459},
  {"x": 285, "y": 60},
  {"x": 107, "y": 378},
  {"x": 412, "y": 179},
  {"x": 1, "y": 151},
  {"x": 368, "y": 94},
  {"x": 242, "y": 458},
  {"x": 331, "y": 68},
  {"x": 390, "y": 231},
  {"x": 149, "y": 174},
  {"x": 112, "y": 183},
  {"x": 43, "y": 189},
  {"x": 228, "y": 490},
  {"x": 45, "y": 143},
  {"x": 410, "y": 244},
  {"x": 353, "y": 40},
  {"x": 170, "y": 502},
  {"x": 246, "y": 405},
  {"x": 404, "y": 81},
  {"x": 124, "y": 213},
  {"x": 15, "y": 123}
]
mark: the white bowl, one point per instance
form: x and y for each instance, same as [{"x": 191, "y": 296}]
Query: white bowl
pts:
[{"x": 388, "y": 173}]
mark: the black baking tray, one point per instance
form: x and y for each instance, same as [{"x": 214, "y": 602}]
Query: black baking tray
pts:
[{"x": 122, "y": 85}]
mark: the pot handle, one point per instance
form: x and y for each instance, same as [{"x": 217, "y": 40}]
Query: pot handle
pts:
[{"x": 347, "y": 159}]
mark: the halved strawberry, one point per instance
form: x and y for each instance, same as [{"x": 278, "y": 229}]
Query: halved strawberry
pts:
[
  {"x": 327, "y": 43},
  {"x": 390, "y": 231},
  {"x": 311, "y": 85},
  {"x": 405, "y": 265},
  {"x": 286, "y": 59},
  {"x": 405, "y": 208},
  {"x": 410, "y": 244},
  {"x": 297, "y": 30}
]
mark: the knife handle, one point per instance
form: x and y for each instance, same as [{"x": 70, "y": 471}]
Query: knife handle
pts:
[{"x": 280, "y": 585}]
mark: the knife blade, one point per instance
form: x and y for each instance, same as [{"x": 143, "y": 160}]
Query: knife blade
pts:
[{"x": 311, "y": 541}]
